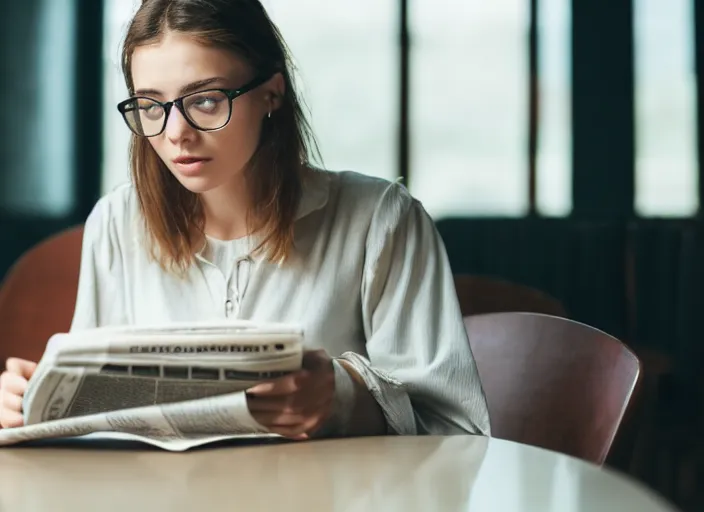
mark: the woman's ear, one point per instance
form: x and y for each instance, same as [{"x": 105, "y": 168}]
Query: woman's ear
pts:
[{"x": 275, "y": 91}]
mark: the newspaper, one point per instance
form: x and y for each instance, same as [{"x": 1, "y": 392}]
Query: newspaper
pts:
[{"x": 174, "y": 387}]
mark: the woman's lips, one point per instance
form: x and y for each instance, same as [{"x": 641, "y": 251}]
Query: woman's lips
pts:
[{"x": 190, "y": 165}]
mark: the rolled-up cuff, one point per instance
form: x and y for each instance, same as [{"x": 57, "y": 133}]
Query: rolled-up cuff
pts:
[
  {"x": 344, "y": 400},
  {"x": 389, "y": 393}
]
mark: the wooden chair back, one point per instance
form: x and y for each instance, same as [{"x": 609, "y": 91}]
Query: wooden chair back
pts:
[
  {"x": 482, "y": 294},
  {"x": 553, "y": 382},
  {"x": 38, "y": 295}
]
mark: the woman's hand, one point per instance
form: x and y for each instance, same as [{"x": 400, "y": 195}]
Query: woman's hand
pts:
[
  {"x": 13, "y": 384},
  {"x": 296, "y": 405}
]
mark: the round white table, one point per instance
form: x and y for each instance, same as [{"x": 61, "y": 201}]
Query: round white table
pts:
[{"x": 468, "y": 473}]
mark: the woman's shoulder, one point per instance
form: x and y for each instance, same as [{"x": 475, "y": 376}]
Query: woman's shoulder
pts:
[
  {"x": 115, "y": 214},
  {"x": 358, "y": 185},
  {"x": 370, "y": 202},
  {"x": 366, "y": 195}
]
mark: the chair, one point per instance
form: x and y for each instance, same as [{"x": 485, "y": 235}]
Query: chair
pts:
[
  {"x": 480, "y": 294},
  {"x": 38, "y": 295},
  {"x": 553, "y": 382}
]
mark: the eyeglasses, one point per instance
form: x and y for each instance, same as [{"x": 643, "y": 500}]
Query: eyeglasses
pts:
[{"x": 206, "y": 111}]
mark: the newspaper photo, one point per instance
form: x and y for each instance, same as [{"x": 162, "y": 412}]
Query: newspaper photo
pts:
[{"x": 175, "y": 387}]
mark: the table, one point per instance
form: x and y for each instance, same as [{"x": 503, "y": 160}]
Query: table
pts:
[{"x": 468, "y": 473}]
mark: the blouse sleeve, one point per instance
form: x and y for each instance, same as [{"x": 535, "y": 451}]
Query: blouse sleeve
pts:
[
  {"x": 99, "y": 301},
  {"x": 420, "y": 367}
]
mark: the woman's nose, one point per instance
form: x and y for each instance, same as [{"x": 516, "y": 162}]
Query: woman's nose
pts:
[{"x": 177, "y": 126}]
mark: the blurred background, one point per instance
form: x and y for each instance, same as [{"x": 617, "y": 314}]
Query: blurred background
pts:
[{"x": 556, "y": 143}]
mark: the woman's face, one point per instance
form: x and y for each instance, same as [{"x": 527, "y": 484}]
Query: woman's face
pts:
[{"x": 178, "y": 65}]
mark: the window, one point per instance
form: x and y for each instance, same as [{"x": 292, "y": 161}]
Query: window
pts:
[
  {"x": 666, "y": 151},
  {"x": 346, "y": 55},
  {"x": 38, "y": 108},
  {"x": 554, "y": 160},
  {"x": 468, "y": 98},
  {"x": 116, "y": 135},
  {"x": 469, "y": 106}
]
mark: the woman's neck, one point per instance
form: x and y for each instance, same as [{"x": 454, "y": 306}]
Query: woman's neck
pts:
[{"x": 225, "y": 210}]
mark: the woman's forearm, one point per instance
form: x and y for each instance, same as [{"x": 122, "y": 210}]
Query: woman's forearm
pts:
[{"x": 366, "y": 417}]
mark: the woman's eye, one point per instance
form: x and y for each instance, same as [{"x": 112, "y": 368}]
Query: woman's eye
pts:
[
  {"x": 206, "y": 103},
  {"x": 151, "y": 111}
]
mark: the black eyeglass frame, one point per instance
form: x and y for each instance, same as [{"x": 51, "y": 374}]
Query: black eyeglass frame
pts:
[{"x": 232, "y": 95}]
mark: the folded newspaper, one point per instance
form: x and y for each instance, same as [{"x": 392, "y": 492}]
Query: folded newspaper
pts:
[{"x": 174, "y": 387}]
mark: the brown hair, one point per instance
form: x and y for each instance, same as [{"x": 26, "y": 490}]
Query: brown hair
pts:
[{"x": 172, "y": 214}]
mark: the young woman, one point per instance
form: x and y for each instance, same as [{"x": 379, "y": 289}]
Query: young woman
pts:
[{"x": 226, "y": 218}]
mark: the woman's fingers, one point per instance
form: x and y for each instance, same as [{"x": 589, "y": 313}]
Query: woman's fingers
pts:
[
  {"x": 12, "y": 383},
  {"x": 11, "y": 402},
  {"x": 10, "y": 419},
  {"x": 297, "y": 404},
  {"x": 273, "y": 404},
  {"x": 300, "y": 431},
  {"x": 280, "y": 387},
  {"x": 316, "y": 359},
  {"x": 275, "y": 419},
  {"x": 280, "y": 418},
  {"x": 12, "y": 388},
  {"x": 292, "y": 404},
  {"x": 20, "y": 367}
]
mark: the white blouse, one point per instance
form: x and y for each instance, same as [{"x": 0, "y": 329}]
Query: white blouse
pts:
[{"x": 369, "y": 282}]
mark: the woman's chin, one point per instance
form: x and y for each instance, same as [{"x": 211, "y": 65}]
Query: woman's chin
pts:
[
  {"x": 203, "y": 182},
  {"x": 197, "y": 184}
]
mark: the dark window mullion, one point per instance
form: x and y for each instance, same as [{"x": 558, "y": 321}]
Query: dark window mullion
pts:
[
  {"x": 533, "y": 106},
  {"x": 699, "y": 63},
  {"x": 404, "y": 94},
  {"x": 89, "y": 101}
]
